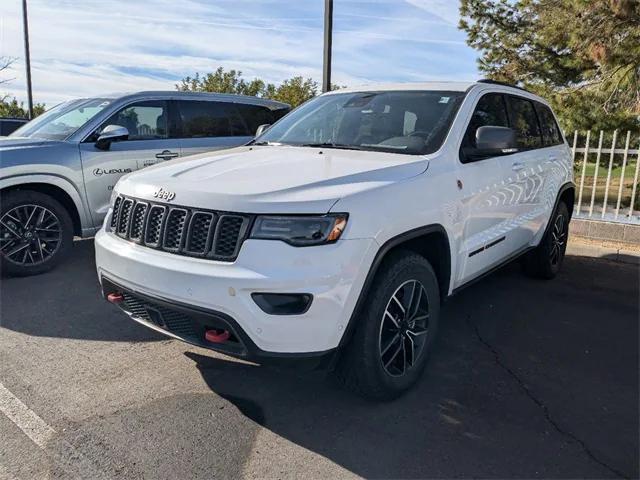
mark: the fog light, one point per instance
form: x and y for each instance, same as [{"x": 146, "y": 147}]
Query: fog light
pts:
[{"x": 283, "y": 303}]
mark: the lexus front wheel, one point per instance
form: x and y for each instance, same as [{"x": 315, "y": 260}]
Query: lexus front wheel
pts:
[{"x": 36, "y": 232}]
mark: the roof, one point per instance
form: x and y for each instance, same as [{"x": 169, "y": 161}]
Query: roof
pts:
[
  {"x": 176, "y": 94},
  {"x": 448, "y": 86},
  {"x": 452, "y": 86}
]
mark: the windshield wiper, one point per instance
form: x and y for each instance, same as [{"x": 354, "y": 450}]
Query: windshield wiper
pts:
[{"x": 332, "y": 145}]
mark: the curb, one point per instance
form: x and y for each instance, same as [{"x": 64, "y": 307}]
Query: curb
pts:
[{"x": 614, "y": 254}]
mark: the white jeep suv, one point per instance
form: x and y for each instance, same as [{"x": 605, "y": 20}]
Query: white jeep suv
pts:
[{"x": 335, "y": 235}]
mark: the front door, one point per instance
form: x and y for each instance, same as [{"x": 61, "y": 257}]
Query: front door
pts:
[
  {"x": 485, "y": 199},
  {"x": 148, "y": 144}
]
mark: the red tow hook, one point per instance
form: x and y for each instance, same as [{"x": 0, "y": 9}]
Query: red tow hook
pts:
[
  {"x": 115, "y": 297},
  {"x": 217, "y": 336}
]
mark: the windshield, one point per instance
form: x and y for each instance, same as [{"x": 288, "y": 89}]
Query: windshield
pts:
[
  {"x": 408, "y": 122},
  {"x": 62, "y": 120}
]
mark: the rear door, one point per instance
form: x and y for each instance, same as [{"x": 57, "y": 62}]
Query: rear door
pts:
[
  {"x": 486, "y": 236},
  {"x": 557, "y": 161},
  {"x": 204, "y": 126},
  {"x": 526, "y": 171},
  {"x": 148, "y": 143}
]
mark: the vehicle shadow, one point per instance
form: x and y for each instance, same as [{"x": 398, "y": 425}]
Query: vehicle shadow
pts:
[
  {"x": 505, "y": 373},
  {"x": 67, "y": 303}
]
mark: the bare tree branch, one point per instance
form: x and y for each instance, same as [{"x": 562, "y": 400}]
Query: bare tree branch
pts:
[{"x": 5, "y": 64}]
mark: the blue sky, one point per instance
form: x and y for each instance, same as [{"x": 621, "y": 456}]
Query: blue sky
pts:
[{"x": 88, "y": 47}]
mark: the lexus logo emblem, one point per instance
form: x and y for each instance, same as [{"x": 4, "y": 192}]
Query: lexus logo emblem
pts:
[
  {"x": 98, "y": 172},
  {"x": 163, "y": 194}
]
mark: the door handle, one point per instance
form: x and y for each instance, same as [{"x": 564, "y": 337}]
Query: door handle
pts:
[
  {"x": 517, "y": 166},
  {"x": 166, "y": 155}
]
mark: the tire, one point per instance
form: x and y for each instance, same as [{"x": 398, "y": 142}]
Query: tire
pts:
[
  {"x": 546, "y": 259},
  {"x": 366, "y": 366},
  {"x": 36, "y": 233}
]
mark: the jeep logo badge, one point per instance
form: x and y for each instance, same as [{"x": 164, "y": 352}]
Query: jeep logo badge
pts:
[{"x": 163, "y": 194}]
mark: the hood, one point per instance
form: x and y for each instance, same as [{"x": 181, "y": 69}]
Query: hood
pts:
[
  {"x": 271, "y": 179},
  {"x": 20, "y": 155},
  {"x": 11, "y": 143}
]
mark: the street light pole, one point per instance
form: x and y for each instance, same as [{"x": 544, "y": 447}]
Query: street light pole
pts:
[
  {"x": 328, "y": 34},
  {"x": 27, "y": 56}
]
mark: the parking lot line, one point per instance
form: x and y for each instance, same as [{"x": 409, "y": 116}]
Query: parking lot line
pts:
[
  {"x": 72, "y": 462},
  {"x": 26, "y": 419}
]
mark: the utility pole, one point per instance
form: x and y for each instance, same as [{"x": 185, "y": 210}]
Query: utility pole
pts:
[
  {"x": 328, "y": 34},
  {"x": 27, "y": 56}
]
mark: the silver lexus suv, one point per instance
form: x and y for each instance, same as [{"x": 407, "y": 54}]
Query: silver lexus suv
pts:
[{"x": 57, "y": 172}]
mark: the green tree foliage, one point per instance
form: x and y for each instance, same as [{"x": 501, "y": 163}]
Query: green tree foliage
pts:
[
  {"x": 222, "y": 82},
  {"x": 582, "y": 55},
  {"x": 10, "y": 107},
  {"x": 14, "y": 109},
  {"x": 293, "y": 91}
]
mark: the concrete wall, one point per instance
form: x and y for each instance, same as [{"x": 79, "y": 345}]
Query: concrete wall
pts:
[{"x": 610, "y": 231}]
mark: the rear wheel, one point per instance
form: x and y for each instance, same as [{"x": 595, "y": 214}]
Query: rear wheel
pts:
[
  {"x": 36, "y": 232},
  {"x": 546, "y": 260},
  {"x": 396, "y": 330}
]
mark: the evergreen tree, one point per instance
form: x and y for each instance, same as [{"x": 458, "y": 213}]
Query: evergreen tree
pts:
[{"x": 582, "y": 55}]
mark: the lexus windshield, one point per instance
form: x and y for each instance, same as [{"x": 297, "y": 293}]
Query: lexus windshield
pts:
[
  {"x": 407, "y": 122},
  {"x": 62, "y": 120}
]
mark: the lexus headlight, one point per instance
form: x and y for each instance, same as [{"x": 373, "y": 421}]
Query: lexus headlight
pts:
[{"x": 300, "y": 230}]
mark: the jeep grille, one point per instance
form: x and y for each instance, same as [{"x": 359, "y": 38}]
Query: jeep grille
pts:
[{"x": 180, "y": 230}]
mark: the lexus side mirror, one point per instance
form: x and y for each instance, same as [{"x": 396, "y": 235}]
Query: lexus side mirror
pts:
[
  {"x": 111, "y": 133},
  {"x": 262, "y": 128},
  {"x": 492, "y": 141}
]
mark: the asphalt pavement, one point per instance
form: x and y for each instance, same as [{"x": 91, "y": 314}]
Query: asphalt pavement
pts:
[{"x": 529, "y": 379}]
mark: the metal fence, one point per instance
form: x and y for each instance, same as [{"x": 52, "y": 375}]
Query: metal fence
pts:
[{"x": 607, "y": 176}]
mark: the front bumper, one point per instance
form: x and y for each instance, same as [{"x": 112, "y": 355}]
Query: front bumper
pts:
[{"x": 211, "y": 291}]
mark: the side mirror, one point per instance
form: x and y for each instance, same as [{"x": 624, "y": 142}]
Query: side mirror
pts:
[
  {"x": 111, "y": 133},
  {"x": 492, "y": 141},
  {"x": 262, "y": 128}
]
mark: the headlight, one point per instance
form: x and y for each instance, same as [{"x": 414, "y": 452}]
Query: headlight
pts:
[{"x": 300, "y": 231}]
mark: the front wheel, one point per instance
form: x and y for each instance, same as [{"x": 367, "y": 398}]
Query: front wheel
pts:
[
  {"x": 546, "y": 259},
  {"x": 36, "y": 232},
  {"x": 395, "y": 331}
]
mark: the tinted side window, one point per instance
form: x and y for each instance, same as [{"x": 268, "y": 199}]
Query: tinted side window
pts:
[
  {"x": 9, "y": 126},
  {"x": 255, "y": 115},
  {"x": 200, "y": 119},
  {"x": 525, "y": 122},
  {"x": 550, "y": 132},
  {"x": 490, "y": 110},
  {"x": 279, "y": 113},
  {"x": 144, "y": 120}
]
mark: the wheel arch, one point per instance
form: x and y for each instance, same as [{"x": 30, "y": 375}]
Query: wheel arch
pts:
[
  {"x": 430, "y": 241},
  {"x": 66, "y": 195},
  {"x": 567, "y": 194}
]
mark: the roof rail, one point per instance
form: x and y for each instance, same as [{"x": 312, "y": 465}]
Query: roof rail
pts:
[{"x": 504, "y": 84}]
